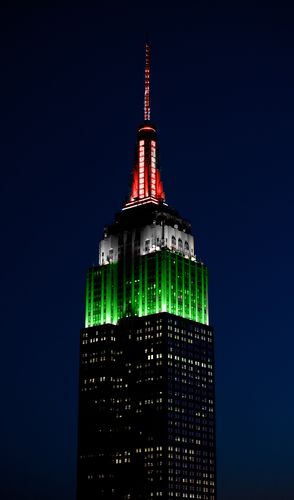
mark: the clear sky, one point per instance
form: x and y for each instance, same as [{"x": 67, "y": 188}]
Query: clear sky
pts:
[{"x": 71, "y": 98}]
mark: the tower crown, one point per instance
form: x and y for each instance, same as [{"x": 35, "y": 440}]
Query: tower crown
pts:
[{"x": 147, "y": 186}]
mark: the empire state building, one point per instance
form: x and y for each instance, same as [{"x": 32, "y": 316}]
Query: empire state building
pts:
[{"x": 146, "y": 393}]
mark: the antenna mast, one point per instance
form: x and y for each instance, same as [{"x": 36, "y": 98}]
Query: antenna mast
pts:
[{"x": 147, "y": 84}]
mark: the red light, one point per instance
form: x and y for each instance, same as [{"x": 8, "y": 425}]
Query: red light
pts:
[{"x": 147, "y": 128}]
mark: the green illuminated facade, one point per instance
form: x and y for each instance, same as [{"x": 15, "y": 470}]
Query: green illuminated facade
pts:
[{"x": 161, "y": 281}]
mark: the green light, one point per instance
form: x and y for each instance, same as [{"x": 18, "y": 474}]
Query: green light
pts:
[{"x": 148, "y": 284}]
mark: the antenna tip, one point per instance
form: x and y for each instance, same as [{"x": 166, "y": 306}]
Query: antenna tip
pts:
[{"x": 147, "y": 84}]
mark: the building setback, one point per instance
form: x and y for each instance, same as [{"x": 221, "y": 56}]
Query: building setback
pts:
[{"x": 146, "y": 395}]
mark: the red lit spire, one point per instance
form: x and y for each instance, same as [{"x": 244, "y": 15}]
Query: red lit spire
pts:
[
  {"x": 147, "y": 84},
  {"x": 146, "y": 186}
]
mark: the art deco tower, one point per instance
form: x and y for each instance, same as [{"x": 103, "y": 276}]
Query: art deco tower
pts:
[{"x": 146, "y": 402}]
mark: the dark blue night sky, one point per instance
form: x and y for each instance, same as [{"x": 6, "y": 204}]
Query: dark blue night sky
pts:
[{"x": 71, "y": 98}]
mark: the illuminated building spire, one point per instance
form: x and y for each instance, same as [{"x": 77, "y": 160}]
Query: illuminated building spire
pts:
[
  {"x": 147, "y": 185},
  {"x": 147, "y": 335},
  {"x": 147, "y": 84}
]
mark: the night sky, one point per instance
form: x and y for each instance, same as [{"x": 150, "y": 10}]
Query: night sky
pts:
[{"x": 71, "y": 99}]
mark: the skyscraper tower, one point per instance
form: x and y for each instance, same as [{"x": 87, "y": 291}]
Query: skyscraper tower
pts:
[{"x": 146, "y": 401}]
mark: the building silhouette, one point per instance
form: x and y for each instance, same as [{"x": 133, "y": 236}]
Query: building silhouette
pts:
[{"x": 146, "y": 396}]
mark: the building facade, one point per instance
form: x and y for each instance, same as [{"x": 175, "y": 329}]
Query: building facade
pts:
[{"x": 146, "y": 396}]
